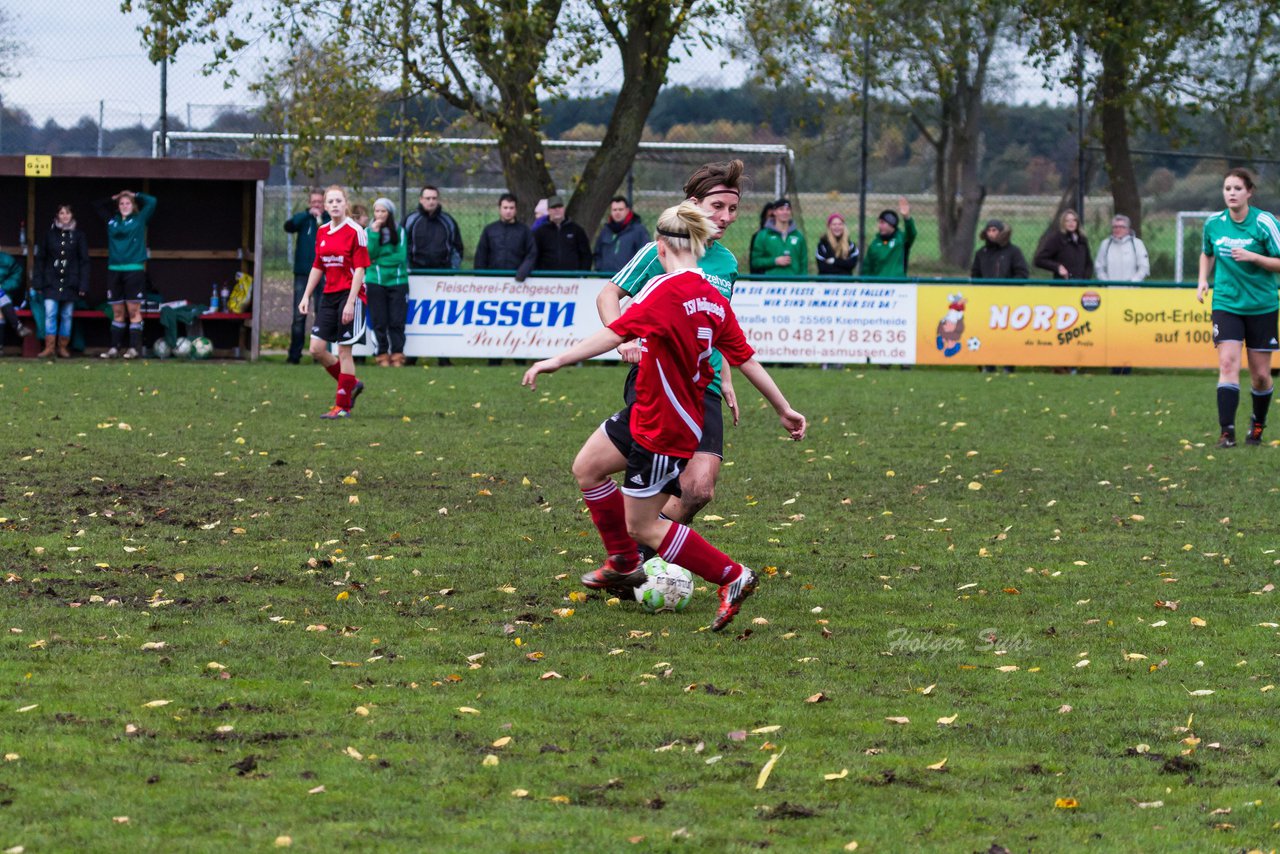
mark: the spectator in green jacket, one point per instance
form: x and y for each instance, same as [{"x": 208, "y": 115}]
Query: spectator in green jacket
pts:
[
  {"x": 779, "y": 248},
  {"x": 305, "y": 224},
  {"x": 888, "y": 253},
  {"x": 10, "y": 282},
  {"x": 126, "y": 266},
  {"x": 387, "y": 284}
]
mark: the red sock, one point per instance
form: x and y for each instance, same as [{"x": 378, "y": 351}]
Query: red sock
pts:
[
  {"x": 346, "y": 385},
  {"x": 335, "y": 370},
  {"x": 610, "y": 517},
  {"x": 684, "y": 547}
]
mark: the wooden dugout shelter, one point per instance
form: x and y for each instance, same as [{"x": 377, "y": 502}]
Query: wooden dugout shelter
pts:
[{"x": 206, "y": 229}]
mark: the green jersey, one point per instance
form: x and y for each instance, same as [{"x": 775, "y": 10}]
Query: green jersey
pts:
[
  {"x": 127, "y": 235},
  {"x": 390, "y": 262},
  {"x": 1239, "y": 286},
  {"x": 889, "y": 257},
  {"x": 719, "y": 266}
]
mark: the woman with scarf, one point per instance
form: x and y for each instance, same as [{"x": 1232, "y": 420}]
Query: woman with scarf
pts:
[{"x": 61, "y": 277}]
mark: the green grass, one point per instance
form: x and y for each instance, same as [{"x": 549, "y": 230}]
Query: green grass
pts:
[{"x": 219, "y": 524}]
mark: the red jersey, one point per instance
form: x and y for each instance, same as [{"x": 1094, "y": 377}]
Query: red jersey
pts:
[
  {"x": 679, "y": 317},
  {"x": 339, "y": 251}
]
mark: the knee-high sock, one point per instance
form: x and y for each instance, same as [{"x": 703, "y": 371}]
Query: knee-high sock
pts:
[
  {"x": 118, "y": 329},
  {"x": 346, "y": 387},
  {"x": 683, "y": 546},
  {"x": 1261, "y": 403},
  {"x": 609, "y": 515},
  {"x": 1228, "y": 402},
  {"x": 135, "y": 336},
  {"x": 335, "y": 370}
]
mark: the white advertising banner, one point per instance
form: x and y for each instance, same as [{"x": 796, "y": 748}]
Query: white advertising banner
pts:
[
  {"x": 836, "y": 322},
  {"x": 473, "y": 316}
]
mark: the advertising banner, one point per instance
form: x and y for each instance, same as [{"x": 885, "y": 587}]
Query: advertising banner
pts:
[
  {"x": 472, "y": 316},
  {"x": 1063, "y": 326},
  {"x": 836, "y": 322}
]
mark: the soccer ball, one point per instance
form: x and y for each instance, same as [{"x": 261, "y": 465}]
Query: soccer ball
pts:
[
  {"x": 183, "y": 348},
  {"x": 161, "y": 349},
  {"x": 201, "y": 348},
  {"x": 974, "y": 343},
  {"x": 666, "y": 587}
]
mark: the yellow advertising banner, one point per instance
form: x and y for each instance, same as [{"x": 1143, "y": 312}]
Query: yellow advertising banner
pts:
[{"x": 1065, "y": 325}]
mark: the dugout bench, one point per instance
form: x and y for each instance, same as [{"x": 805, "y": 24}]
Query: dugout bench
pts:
[{"x": 207, "y": 228}]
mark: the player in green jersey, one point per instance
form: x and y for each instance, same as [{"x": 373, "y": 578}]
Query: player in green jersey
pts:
[
  {"x": 1242, "y": 250},
  {"x": 717, "y": 189}
]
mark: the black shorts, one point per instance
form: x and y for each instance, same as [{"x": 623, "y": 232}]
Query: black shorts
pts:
[
  {"x": 329, "y": 326},
  {"x": 1257, "y": 331},
  {"x": 647, "y": 473},
  {"x": 126, "y": 285}
]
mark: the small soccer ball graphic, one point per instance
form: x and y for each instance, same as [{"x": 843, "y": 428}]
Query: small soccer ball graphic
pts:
[
  {"x": 161, "y": 349},
  {"x": 974, "y": 343},
  {"x": 201, "y": 348},
  {"x": 666, "y": 587},
  {"x": 183, "y": 348}
]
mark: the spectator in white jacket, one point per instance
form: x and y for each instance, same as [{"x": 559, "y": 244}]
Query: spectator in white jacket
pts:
[{"x": 1122, "y": 257}]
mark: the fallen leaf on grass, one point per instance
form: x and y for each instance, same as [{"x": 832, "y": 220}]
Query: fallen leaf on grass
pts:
[
  {"x": 519, "y": 793},
  {"x": 467, "y": 710},
  {"x": 284, "y": 841},
  {"x": 851, "y": 845},
  {"x": 1066, "y": 804},
  {"x": 353, "y": 753},
  {"x": 550, "y": 674},
  {"x": 120, "y": 819},
  {"x": 948, "y": 721},
  {"x": 768, "y": 769},
  {"x": 738, "y": 735},
  {"x": 489, "y": 761},
  {"x": 817, "y": 698},
  {"x": 1198, "y": 623},
  {"x": 939, "y": 765},
  {"x": 766, "y": 729},
  {"x": 316, "y": 791},
  {"x": 28, "y": 708},
  {"x": 1201, "y": 692},
  {"x": 1151, "y": 805},
  {"x": 502, "y": 742},
  {"x": 155, "y": 704},
  {"x": 898, "y": 720},
  {"x": 844, "y": 772}
]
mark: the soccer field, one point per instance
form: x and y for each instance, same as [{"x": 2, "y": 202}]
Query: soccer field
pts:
[{"x": 1030, "y": 611}]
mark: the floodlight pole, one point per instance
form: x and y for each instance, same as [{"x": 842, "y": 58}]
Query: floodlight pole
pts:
[{"x": 862, "y": 155}]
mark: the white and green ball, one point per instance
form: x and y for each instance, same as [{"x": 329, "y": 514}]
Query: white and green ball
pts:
[
  {"x": 183, "y": 348},
  {"x": 666, "y": 587},
  {"x": 201, "y": 348},
  {"x": 161, "y": 349}
]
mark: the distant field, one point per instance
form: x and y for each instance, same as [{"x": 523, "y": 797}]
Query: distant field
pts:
[
  {"x": 1028, "y": 612},
  {"x": 1028, "y": 216}
]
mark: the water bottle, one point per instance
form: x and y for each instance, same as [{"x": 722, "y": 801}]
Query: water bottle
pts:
[
  {"x": 225, "y": 300},
  {"x": 213, "y": 300},
  {"x": 22, "y": 234}
]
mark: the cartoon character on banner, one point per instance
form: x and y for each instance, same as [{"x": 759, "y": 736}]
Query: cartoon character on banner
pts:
[{"x": 951, "y": 327}]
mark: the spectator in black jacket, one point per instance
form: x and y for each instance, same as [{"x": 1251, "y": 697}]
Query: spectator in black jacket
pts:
[
  {"x": 837, "y": 254},
  {"x": 562, "y": 243},
  {"x": 61, "y": 277},
  {"x": 507, "y": 244},
  {"x": 997, "y": 258},
  {"x": 433, "y": 239},
  {"x": 621, "y": 238},
  {"x": 1065, "y": 252}
]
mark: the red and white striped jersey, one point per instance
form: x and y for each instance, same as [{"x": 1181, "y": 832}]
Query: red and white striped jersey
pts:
[
  {"x": 679, "y": 318},
  {"x": 340, "y": 249}
]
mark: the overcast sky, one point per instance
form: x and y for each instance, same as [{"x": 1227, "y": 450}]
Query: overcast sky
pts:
[{"x": 80, "y": 52}]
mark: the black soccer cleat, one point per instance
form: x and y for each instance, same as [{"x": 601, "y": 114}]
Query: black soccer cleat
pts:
[
  {"x": 1255, "y": 433},
  {"x": 1227, "y": 439}
]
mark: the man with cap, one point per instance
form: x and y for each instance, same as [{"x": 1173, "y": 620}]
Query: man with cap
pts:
[
  {"x": 562, "y": 244},
  {"x": 888, "y": 252},
  {"x": 779, "y": 248}
]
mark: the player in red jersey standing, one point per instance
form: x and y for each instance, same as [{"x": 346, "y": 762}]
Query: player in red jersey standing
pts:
[
  {"x": 679, "y": 318},
  {"x": 342, "y": 255}
]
